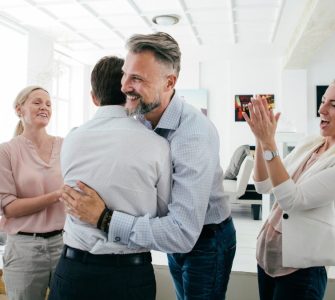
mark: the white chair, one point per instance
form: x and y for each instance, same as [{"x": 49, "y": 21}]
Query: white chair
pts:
[{"x": 237, "y": 188}]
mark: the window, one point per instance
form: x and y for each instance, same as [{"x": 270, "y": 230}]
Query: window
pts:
[
  {"x": 13, "y": 74},
  {"x": 67, "y": 95}
]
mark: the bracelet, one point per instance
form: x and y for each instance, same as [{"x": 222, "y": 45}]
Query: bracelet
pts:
[{"x": 105, "y": 219}]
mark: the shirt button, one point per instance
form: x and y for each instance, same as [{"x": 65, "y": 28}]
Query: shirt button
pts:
[
  {"x": 285, "y": 216},
  {"x": 117, "y": 239}
]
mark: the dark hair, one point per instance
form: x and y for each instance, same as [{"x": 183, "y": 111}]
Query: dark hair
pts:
[
  {"x": 162, "y": 45},
  {"x": 106, "y": 81}
]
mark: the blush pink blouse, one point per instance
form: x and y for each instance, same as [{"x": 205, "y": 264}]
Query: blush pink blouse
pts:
[
  {"x": 23, "y": 174},
  {"x": 269, "y": 242}
]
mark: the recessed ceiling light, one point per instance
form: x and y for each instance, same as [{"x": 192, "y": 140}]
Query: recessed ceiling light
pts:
[{"x": 166, "y": 20}]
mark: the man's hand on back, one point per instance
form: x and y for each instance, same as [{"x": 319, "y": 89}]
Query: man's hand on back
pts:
[{"x": 86, "y": 204}]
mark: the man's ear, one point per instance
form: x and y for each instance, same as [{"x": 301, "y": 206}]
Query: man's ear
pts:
[
  {"x": 171, "y": 81},
  {"x": 95, "y": 99}
]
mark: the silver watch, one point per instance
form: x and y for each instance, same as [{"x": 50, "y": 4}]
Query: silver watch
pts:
[{"x": 270, "y": 155}]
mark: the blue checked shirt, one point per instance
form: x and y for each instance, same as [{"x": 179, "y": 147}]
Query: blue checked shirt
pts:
[{"x": 197, "y": 190}]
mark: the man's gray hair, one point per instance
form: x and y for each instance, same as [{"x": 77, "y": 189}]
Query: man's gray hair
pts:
[{"x": 164, "y": 47}]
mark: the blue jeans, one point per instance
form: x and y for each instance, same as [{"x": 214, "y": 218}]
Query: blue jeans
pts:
[
  {"x": 204, "y": 272},
  {"x": 303, "y": 284}
]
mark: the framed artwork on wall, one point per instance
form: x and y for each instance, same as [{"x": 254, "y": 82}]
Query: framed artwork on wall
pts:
[
  {"x": 241, "y": 104},
  {"x": 320, "y": 90},
  {"x": 195, "y": 97},
  {"x": 271, "y": 100}
]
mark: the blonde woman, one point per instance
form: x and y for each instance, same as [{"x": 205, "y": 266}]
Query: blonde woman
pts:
[{"x": 31, "y": 214}]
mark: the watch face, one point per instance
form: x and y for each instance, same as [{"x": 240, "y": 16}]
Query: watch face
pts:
[{"x": 268, "y": 155}]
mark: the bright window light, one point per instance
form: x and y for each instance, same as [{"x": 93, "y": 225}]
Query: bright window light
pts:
[
  {"x": 13, "y": 75},
  {"x": 67, "y": 95}
]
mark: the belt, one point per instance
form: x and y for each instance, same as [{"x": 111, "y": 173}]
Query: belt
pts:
[
  {"x": 209, "y": 230},
  {"x": 132, "y": 259},
  {"x": 44, "y": 235}
]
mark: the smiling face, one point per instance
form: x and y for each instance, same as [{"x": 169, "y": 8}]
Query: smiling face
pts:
[
  {"x": 36, "y": 111},
  {"x": 327, "y": 114},
  {"x": 148, "y": 85}
]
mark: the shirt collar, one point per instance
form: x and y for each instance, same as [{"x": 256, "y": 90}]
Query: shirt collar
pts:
[
  {"x": 172, "y": 114},
  {"x": 110, "y": 111}
]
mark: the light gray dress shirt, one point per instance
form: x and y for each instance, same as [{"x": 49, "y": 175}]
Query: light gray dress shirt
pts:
[
  {"x": 126, "y": 163},
  {"x": 197, "y": 189}
]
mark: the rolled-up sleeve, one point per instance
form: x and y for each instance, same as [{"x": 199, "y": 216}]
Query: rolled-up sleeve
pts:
[
  {"x": 7, "y": 183},
  {"x": 263, "y": 187}
]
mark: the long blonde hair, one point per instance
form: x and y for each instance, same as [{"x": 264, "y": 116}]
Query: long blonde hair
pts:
[{"x": 20, "y": 99}]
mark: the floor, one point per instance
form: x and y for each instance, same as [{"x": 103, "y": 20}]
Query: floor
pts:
[{"x": 247, "y": 230}]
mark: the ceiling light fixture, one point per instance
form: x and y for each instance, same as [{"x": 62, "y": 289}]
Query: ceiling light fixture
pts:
[{"x": 166, "y": 20}]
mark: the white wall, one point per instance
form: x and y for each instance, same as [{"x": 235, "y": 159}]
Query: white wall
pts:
[
  {"x": 224, "y": 79},
  {"x": 321, "y": 71},
  {"x": 13, "y": 62},
  {"x": 189, "y": 77},
  {"x": 215, "y": 77},
  {"x": 89, "y": 107},
  {"x": 40, "y": 60},
  {"x": 293, "y": 104}
]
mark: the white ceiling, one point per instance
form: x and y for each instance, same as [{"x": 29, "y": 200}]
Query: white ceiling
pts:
[{"x": 89, "y": 29}]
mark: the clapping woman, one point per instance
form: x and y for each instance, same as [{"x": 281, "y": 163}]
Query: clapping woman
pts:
[{"x": 298, "y": 238}]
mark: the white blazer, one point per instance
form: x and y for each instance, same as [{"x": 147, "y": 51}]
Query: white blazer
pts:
[{"x": 308, "y": 224}]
